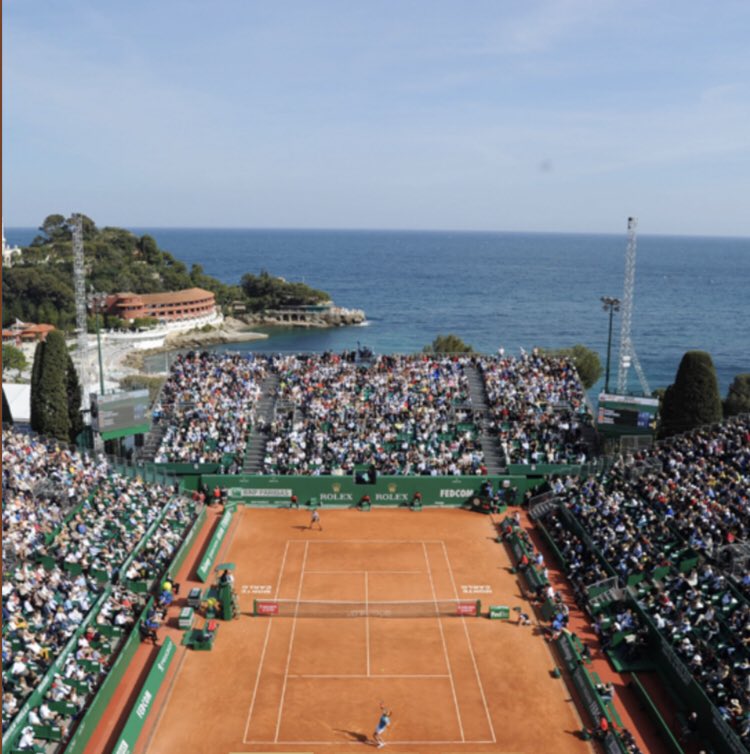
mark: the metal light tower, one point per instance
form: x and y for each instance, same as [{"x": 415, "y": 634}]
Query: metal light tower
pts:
[
  {"x": 79, "y": 279},
  {"x": 610, "y": 305},
  {"x": 627, "y": 352}
]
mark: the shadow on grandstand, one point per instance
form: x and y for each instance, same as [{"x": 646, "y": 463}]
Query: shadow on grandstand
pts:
[{"x": 354, "y": 735}]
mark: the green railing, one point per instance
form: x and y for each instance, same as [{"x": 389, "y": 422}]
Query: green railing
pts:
[{"x": 344, "y": 491}]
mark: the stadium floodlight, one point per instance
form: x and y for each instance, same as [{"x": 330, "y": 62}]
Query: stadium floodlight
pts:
[{"x": 611, "y": 305}]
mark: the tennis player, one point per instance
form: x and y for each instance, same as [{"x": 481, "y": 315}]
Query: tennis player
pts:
[
  {"x": 315, "y": 519},
  {"x": 383, "y": 723}
]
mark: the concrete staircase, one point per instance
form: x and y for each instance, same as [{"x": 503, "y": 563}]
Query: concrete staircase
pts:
[
  {"x": 265, "y": 410},
  {"x": 153, "y": 440},
  {"x": 494, "y": 458}
]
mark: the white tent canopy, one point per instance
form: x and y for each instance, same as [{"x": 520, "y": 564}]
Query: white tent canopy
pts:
[{"x": 19, "y": 400}]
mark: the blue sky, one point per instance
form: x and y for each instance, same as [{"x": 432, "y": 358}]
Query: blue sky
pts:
[{"x": 536, "y": 115}]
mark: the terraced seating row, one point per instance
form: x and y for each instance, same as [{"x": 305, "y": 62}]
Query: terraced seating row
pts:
[{"x": 52, "y": 601}]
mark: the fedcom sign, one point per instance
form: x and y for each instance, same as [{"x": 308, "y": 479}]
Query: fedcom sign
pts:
[{"x": 456, "y": 494}]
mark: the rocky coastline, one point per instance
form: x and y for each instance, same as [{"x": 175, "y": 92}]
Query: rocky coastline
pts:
[
  {"x": 330, "y": 316},
  {"x": 231, "y": 330}
]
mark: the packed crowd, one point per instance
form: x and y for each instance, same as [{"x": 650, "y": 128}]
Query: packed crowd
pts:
[
  {"x": 35, "y": 471},
  {"x": 663, "y": 520},
  {"x": 537, "y": 407},
  {"x": 399, "y": 414},
  {"x": 59, "y": 552},
  {"x": 208, "y": 402}
]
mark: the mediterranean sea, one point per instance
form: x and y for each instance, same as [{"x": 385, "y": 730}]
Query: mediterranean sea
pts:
[{"x": 515, "y": 290}]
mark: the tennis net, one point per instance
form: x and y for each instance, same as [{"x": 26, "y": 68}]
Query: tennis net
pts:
[{"x": 358, "y": 609}]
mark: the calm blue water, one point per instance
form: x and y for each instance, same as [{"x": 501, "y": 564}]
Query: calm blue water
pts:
[{"x": 492, "y": 289}]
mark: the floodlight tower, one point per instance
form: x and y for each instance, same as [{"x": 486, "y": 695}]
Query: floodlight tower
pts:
[
  {"x": 627, "y": 351},
  {"x": 79, "y": 280}
]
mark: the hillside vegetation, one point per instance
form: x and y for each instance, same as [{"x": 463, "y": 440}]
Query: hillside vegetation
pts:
[{"x": 39, "y": 287}]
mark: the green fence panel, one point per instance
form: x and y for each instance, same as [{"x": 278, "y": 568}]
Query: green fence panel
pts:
[
  {"x": 187, "y": 543},
  {"x": 345, "y": 492},
  {"x": 93, "y": 714},
  {"x": 144, "y": 702},
  {"x": 542, "y": 469},
  {"x": 204, "y": 569},
  {"x": 499, "y": 612},
  {"x": 186, "y": 468}
]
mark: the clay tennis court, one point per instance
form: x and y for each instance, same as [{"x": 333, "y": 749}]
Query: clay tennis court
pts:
[{"x": 291, "y": 683}]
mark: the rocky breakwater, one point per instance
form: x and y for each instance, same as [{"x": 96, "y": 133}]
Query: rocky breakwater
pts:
[{"x": 306, "y": 316}]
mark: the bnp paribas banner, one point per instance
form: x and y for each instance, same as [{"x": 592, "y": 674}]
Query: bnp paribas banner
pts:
[{"x": 345, "y": 491}]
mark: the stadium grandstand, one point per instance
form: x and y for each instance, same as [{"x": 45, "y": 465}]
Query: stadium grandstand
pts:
[{"x": 655, "y": 545}]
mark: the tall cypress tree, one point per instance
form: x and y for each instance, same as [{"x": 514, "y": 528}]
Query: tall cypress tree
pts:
[
  {"x": 49, "y": 397},
  {"x": 73, "y": 392},
  {"x": 738, "y": 396},
  {"x": 693, "y": 399},
  {"x": 7, "y": 416},
  {"x": 36, "y": 371}
]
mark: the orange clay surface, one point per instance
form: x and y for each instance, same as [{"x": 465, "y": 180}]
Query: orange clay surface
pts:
[{"x": 287, "y": 684}]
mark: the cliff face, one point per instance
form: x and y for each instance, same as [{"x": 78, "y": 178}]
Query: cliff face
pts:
[{"x": 333, "y": 316}]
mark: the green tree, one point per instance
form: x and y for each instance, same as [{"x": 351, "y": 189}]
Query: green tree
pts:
[
  {"x": 73, "y": 393},
  {"x": 693, "y": 399},
  {"x": 448, "y": 344},
  {"x": 55, "y": 228},
  {"x": 587, "y": 363},
  {"x": 7, "y": 416},
  {"x": 49, "y": 399},
  {"x": 14, "y": 358},
  {"x": 149, "y": 249},
  {"x": 265, "y": 291},
  {"x": 738, "y": 396},
  {"x": 36, "y": 371}
]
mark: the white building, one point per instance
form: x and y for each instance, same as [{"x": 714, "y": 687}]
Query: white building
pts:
[{"x": 9, "y": 251}]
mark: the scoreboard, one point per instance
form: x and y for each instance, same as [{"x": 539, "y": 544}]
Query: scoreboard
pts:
[
  {"x": 626, "y": 414},
  {"x": 120, "y": 414}
]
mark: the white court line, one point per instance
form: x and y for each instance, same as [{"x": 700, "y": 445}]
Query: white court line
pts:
[
  {"x": 375, "y": 541},
  {"x": 265, "y": 644},
  {"x": 471, "y": 649},
  {"x": 367, "y": 627},
  {"x": 445, "y": 647},
  {"x": 370, "y": 675},
  {"x": 291, "y": 643},
  {"x": 390, "y": 742},
  {"x": 349, "y": 570}
]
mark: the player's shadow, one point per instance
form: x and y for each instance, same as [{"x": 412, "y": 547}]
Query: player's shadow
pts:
[
  {"x": 355, "y": 735},
  {"x": 301, "y": 528}
]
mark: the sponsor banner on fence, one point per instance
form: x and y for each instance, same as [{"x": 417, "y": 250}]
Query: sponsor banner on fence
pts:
[
  {"x": 567, "y": 652},
  {"x": 254, "y": 493},
  {"x": 588, "y": 695},
  {"x": 466, "y": 608},
  {"x": 345, "y": 490},
  {"x": 144, "y": 702},
  {"x": 266, "y": 608},
  {"x": 213, "y": 546},
  {"x": 499, "y": 612}
]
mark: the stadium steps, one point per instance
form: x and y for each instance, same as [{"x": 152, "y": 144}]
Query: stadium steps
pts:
[
  {"x": 264, "y": 412},
  {"x": 590, "y": 437},
  {"x": 494, "y": 458},
  {"x": 153, "y": 440}
]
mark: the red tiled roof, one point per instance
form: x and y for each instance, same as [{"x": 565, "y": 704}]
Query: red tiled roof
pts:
[{"x": 170, "y": 297}]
